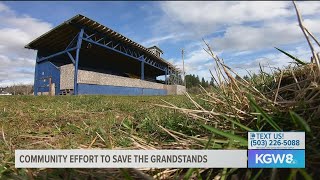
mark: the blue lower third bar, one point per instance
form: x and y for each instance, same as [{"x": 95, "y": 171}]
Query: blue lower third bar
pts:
[{"x": 276, "y": 158}]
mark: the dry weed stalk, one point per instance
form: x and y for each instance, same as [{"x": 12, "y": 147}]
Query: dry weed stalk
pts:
[
  {"x": 306, "y": 33},
  {"x": 229, "y": 103}
]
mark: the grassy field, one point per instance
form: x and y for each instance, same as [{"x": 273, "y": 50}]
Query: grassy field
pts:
[
  {"x": 65, "y": 122},
  {"x": 217, "y": 118},
  {"x": 72, "y": 122}
]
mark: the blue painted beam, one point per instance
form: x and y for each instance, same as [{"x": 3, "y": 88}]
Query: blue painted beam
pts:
[
  {"x": 79, "y": 42},
  {"x": 75, "y": 37},
  {"x": 89, "y": 36},
  {"x": 142, "y": 70},
  {"x": 71, "y": 57},
  {"x": 102, "y": 45},
  {"x": 100, "y": 39},
  {"x": 56, "y": 54},
  {"x": 116, "y": 45},
  {"x": 35, "y": 83},
  {"x": 89, "y": 39},
  {"x": 166, "y": 73}
]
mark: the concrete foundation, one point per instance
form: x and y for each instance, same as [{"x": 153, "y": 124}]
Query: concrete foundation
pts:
[
  {"x": 112, "y": 83},
  {"x": 175, "y": 89}
]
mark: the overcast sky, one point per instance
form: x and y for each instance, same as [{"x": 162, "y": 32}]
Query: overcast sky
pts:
[{"x": 244, "y": 34}]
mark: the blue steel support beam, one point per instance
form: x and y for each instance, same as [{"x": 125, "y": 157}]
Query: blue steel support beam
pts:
[
  {"x": 56, "y": 54},
  {"x": 126, "y": 54},
  {"x": 70, "y": 44},
  {"x": 79, "y": 42},
  {"x": 165, "y": 78},
  {"x": 100, "y": 39},
  {"x": 106, "y": 46},
  {"x": 142, "y": 70},
  {"x": 169, "y": 74},
  {"x": 89, "y": 36},
  {"x": 116, "y": 45},
  {"x": 71, "y": 57},
  {"x": 109, "y": 45},
  {"x": 35, "y": 84}
]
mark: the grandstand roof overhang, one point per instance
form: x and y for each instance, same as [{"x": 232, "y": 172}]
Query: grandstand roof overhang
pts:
[{"x": 62, "y": 36}]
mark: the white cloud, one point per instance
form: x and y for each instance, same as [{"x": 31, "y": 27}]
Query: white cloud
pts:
[
  {"x": 204, "y": 18},
  {"x": 244, "y": 38},
  {"x": 199, "y": 13},
  {"x": 309, "y": 8},
  {"x": 253, "y": 22},
  {"x": 241, "y": 28},
  {"x": 15, "y": 71},
  {"x": 247, "y": 28},
  {"x": 196, "y": 62},
  {"x": 271, "y": 60},
  {"x": 3, "y": 7},
  {"x": 32, "y": 26},
  {"x": 17, "y": 63},
  {"x": 158, "y": 40}
]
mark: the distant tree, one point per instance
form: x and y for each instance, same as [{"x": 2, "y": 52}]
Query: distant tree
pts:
[
  {"x": 246, "y": 77},
  {"x": 194, "y": 81},
  {"x": 211, "y": 82},
  {"x": 19, "y": 89},
  {"x": 238, "y": 78},
  {"x": 204, "y": 83},
  {"x": 175, "y": 79},
  {"x": 189, "y": 80},
  {"x": 171, "y": 79}
]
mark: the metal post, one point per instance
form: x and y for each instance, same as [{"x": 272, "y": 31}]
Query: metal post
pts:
[
  {"x": 75, "y": 88},
  {"x": 50, "y": 86},
  {"x": 35, "y": 83},
  {"x": 184, "y": 73},
  {"x": 176, "y": 80},
  {"x": 165, "y": 78},
  {"x": 169, "y": 74},
  {"x": 142, "y": 70}
]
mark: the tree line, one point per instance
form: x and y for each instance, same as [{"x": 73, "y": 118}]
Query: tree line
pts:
[
  {"x": 20, "y": 89},
  {"x": 194, "y": 81}
]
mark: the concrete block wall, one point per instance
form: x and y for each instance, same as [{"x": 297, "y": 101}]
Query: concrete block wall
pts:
[
  {"x": 181, "y": 90},
  {"x": 101, "y": 79},
  {"x": 171, "y": 90},
  {"x": 66, "y": 76},
  {"x": 89, "y": 77},
  {"x": 175, "y": 89}
]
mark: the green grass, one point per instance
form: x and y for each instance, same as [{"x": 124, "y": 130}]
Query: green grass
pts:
[
  {"x": 69, "y": 121},
  {"x": 218, "y": 118}
]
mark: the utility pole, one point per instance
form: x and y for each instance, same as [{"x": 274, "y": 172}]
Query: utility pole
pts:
[
  {"x": 183, "y": 72},
  {"x": 14, "y": 89}
]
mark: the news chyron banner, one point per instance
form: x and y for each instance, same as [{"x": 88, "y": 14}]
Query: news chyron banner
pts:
[
  {"x": 265, "y": 150},
  {"x": 276, "y": 149},
  {"x": 84, "y": 158}
]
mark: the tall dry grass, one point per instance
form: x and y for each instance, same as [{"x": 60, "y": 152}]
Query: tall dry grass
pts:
[{"x": 285, "y": 100}]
